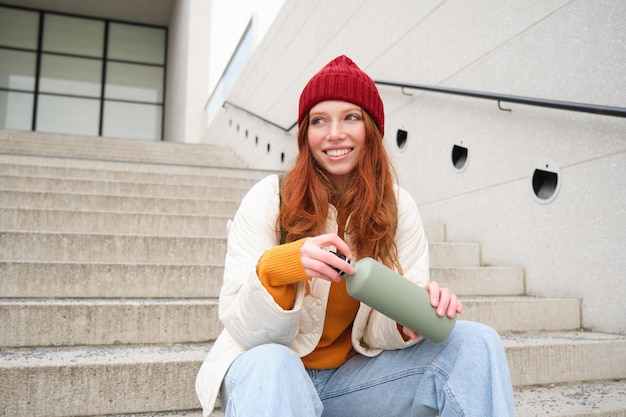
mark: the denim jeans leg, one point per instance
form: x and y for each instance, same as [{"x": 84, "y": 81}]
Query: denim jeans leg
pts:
[
  {"x": 468, "y": 375},
  {"x": 269, "y": 381},
  {"x": 465, "y": 375}
]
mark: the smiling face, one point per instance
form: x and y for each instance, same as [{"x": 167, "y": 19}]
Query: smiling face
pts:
[{"x": 336, "y": 137}]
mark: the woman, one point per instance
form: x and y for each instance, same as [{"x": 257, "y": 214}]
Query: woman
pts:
[{"x": 295, "y": 343}]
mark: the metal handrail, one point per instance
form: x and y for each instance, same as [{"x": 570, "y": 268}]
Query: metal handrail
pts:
[
  {"x": 540, "y": 102},
  {"x": 531, "y": 101},
  {"x": 284, "y": 129}
]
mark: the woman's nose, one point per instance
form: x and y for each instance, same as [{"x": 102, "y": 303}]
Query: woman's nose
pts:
[{"x": 335, "y": 131}]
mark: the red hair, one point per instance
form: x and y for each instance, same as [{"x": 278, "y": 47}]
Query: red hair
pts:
[{"x": 369, "y": 198}]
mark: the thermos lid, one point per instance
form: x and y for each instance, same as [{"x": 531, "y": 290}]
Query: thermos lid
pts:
[{"x": 340, "y": 256}]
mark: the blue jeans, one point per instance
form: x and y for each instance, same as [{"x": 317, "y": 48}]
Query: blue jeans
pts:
[{"x": 465, "y": 375}]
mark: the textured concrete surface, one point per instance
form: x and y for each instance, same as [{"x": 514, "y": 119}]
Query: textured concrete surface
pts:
[{"x": 596, "y": 399}]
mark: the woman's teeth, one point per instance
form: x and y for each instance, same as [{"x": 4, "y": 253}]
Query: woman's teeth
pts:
[{"x": 337, "y": 152}]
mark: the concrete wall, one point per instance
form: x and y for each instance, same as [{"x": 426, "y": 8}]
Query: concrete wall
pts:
[
  {"x": 571, "y": 50},
  {"x": 561, "y": 50},
  {"x": 187, "y": 84}
]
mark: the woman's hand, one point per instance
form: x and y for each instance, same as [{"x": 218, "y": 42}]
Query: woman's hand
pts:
[
  {"x": 316, "y": 257},
  {"x": 444, "y": 300}
]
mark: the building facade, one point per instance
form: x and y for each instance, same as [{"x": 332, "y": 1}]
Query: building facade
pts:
[{"x": 105, "y": 68}]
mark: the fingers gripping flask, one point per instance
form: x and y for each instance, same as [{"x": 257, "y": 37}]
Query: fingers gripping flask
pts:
[{"x": 397, "y": 298}]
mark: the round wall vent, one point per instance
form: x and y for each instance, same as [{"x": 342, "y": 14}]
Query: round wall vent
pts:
[
  {"x": 545, "y": 181},
  {"x": 401, "y": 137},
  {"x": 460, "y": 156}
]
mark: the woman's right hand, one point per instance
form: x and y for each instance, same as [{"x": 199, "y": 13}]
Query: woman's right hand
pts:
[{"x": 316, "y": 257}]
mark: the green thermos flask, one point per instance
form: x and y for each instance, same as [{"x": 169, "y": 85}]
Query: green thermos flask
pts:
[{"x": 397, "y": 298}]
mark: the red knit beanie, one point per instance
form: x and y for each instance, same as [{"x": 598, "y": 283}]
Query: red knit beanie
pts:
[{"x": 341, "y": 79}]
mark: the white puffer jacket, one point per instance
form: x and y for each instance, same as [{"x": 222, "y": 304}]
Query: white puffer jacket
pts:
[{"x": 249, "y": 313}]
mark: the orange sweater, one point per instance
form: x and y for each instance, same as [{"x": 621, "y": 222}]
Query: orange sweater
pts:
[{"x": 279, "y": 269}]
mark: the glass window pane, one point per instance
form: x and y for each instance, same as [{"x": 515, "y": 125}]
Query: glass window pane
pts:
[
  {"x": 133, "y": 121},
  {"x": 16, "y": 110},
  {"x": 134, "y": 82},
  {"x": 73, "y": 35},
  {"x": 77, "y": 116},
  {"x": 136, "y": 43},
  {"x": 18, "y": 28},
  {"x": 66, "y": 75},
  {"x": 17, "y": 69}
]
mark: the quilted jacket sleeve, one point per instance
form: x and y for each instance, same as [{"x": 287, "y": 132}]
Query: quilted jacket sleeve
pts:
[{"x": 246, "y": 309}]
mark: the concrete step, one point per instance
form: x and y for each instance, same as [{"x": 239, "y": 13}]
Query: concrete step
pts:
[
  {"x": 115, "y": 203},
  {"x": 57, "y": 247},
  {"x": 564, "y": 357},
  {"x": 213, "y": 177},
  {"x": 73, "y": 322},
  {"x": 454, "y": 254},
  {"x": 114, "y": 222},
  {"x": 480, "y": 280},
  {"x": 78, "y": 186},
  {"x": 209, "y": 222},
  {"x": 38, "y": 144},
  {"x": 139, "y": 380},
  {"x": 75, "y": 247},
  {"x": 72, "y": 221},
  {"x": 522, "y": 314},
  {"x": 182, "y": 413},
  {"x": 68, "y": 322},
  {"x": 122, "y": 280},
  {"x": 585, "y": 399},
  {"x": 597, "y": 399},
  {"x": 107, "y": 280},
  {"x": 95, "y": 381}
]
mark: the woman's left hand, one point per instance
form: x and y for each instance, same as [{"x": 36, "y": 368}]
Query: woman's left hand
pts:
[{"x": 444, "y": 300}]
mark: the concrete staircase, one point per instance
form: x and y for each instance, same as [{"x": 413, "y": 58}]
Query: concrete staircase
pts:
[{"x": 111, "y": 255}]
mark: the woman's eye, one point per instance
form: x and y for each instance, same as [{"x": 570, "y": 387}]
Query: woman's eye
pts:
[
  {"x": 353, "y": 117},
  {"x": 316, "y": 120}
]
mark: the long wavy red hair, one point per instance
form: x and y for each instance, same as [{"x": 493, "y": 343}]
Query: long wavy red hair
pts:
[{"x": 368, "y": 198}]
